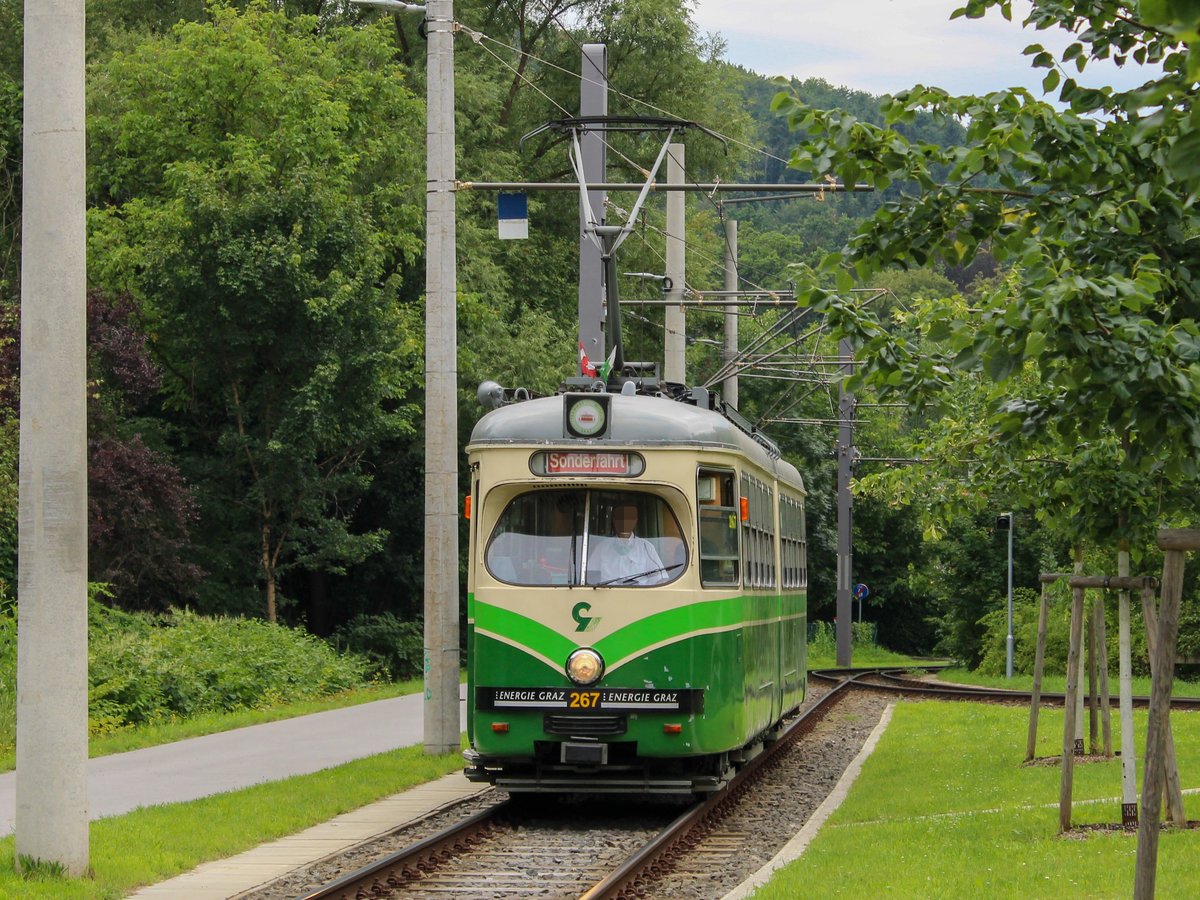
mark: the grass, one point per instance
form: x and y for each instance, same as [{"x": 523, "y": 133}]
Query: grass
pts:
[
  {"x": 944, "y": 808},
  {"x": 821, "y": 658},
  {"x": 153, "y": 844},
  {"x": 211, "y": 723},
  {"x": 1057, "y": 683}
]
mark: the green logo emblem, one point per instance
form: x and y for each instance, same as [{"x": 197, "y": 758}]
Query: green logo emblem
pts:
[{"x": 584, "y": 622}]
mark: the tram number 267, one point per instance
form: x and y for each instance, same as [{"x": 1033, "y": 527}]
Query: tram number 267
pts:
[{"x": 583, "y": 699}]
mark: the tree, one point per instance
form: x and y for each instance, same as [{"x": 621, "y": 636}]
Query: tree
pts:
[
  {"x": 1089, "y": 354},
  {"x": 140, "y": 507},
  {"x": 255, "y": 186}
]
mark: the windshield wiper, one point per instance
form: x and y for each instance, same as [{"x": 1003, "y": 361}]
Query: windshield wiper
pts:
[{"x": 621, "y": 579}]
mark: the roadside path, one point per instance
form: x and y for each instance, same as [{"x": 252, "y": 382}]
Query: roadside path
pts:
[{"x": 230, "y": 760}]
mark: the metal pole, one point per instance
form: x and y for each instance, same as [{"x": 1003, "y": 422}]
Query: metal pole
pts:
[
  {"x": 52, "y": 658},
  {"x": 730, "y": 389},
  {"x": 845, "y": 506},
  {"x": 442, "y": 730},
  {"x": 1008, "y": 659},
  {"x": 675, "y": 325},
  {"x": 593, "y": 101}
]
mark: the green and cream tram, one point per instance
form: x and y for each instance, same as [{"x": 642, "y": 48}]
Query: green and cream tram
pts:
[{"x": 636, "y": 594}]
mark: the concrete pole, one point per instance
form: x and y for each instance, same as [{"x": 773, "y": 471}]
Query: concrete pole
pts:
[
  {"x": 845, "y": 507},
  {"x": 674, "y": 346},
  {"x": 593, "y": 101},
  {"x": 730, "y": 389},
  {"x": 52, "y": 685},
  {"x": 442, "y": 730},
  {"x": 1129, "y": 808}
]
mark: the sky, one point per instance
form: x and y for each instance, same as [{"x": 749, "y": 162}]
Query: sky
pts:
[{"x": 883, "y": 46}]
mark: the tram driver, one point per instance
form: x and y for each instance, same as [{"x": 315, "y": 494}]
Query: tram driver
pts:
[{"x": 625, "y": 557}]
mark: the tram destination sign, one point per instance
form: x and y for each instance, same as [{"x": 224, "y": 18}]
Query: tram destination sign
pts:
[
  {"x": 590, "y": 699},
  {"x": 586, "y": 462}
]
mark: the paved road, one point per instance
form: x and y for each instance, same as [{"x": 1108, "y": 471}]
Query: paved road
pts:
[{"x": 236, "y": 759}]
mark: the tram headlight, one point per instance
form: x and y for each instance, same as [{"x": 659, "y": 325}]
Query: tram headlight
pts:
[{"x": 585, "y": 666}]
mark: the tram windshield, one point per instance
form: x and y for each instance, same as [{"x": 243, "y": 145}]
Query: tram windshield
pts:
[{"x": 599, "y": 538}]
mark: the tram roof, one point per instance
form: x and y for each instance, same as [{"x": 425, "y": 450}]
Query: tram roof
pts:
[{"x": 633, "y": 420}]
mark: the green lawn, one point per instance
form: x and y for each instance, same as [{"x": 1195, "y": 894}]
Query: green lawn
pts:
[
  {"x": 945, "y": 808},
  {"x": 861, "y": 656},
  {"x": 151, "y": 845}
]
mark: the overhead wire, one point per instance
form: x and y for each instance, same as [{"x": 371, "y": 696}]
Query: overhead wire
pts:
[
  {"x": 480, "y": 37},
  {"x": 767, "y": 333},
  {"x": 627, "y": 97}
]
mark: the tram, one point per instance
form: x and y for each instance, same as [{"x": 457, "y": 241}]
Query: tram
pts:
[{"x": 637, "y": 590}]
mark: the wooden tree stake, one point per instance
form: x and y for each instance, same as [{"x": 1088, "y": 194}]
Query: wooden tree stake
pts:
[
  {"x": 1070, "y": 711},
  {"x": 1162, "y": 674},
  {"x": 1105, "y": 699},
  {"x": 1039, "y": 661}
]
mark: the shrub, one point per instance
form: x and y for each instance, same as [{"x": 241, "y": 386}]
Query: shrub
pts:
[
  {"x": 822, "y": 637},
  {"x": 147, "y": 668},
  {"x": 155, "y": 668},
  {"x": 8, "y": 677},
  {"x": 394, "y": 647},
  {"x": 1025, "y": 616}
]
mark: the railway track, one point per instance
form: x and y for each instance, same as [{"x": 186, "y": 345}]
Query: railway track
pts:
[
  {"x": 902, "y": 683},
  {"x": 579, "y": 849},
  {"x": 585, "y": 849}
]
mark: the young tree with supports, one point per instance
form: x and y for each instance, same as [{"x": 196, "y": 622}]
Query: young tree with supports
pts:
[
  {"x": 1088, "y": 355},
  {"x": 1085, "y": 361}
]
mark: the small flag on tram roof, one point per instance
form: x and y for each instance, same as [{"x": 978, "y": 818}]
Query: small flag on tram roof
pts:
[{"x": 514, "y": 216}]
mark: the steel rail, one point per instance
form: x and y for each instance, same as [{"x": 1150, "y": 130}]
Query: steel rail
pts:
[
  {"x": 890, "y": 680},
  {"x": 417, "y": 856},
  {"x": 623, "y": 881}
]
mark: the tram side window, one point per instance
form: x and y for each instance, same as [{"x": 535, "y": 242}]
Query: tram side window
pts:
[
  {"x": 803, "y": 549},
  {"x": 717, "y": 507},
  {"x": 766, "y": 525},
  {"x": 759, "y": 546},
  {"x": 792, "y": 545}
]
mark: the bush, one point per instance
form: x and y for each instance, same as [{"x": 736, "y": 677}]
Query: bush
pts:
[
  {"x": 145, "y": 669},
  {"x": 8, "y": 677},
  {"x": 822, "y": 637},
  {"x": 394, "y": 647},
  {"x": 1026, "y": 603}
]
